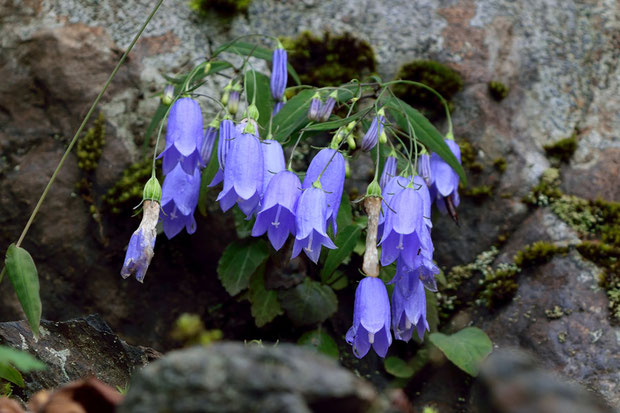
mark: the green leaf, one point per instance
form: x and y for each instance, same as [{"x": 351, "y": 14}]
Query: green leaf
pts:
[
  {"x": 345, "y": 241},
  {"x": 248, "y": 49},
  {"x": 239, "y": 261},
  {"x": 309, "y": 302},
  {"x": 207, "y": 176},
  {"x": 337, "y": 281},
  {"x": 243, "y": 227},
  {"x": 398, "y": 367},
  {"x": 265, "y": 303},
  {"x": 334, "y": 124},
  {"x": 20, "y": 359},
  {"x": 432, "y": 311},
  {"x": 292, "y": 116},
  {"x": 424, "y": 131},
  {"x": 263, "y": 100},
  {"x": 345, "y": 213},
  {"x": 466, "y": 349},
  {"x": 23, "y": 275},
  {"x": 321, "y": 342},
  {"x": 11, "y": 374}
]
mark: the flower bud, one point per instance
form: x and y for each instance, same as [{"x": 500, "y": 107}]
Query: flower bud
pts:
[
  {"x": 383, "y": 137},
  {"x": 168, "y": 95},
  {"x": 374, "y": 189},
  {"x": 152, "y": 190},
  {"x": 253, "y": 112},
  {"x": 233, "y": 102},
  {"x": 315, "y": 108},
  {"x": 207, "y": 68},
  {"x": 351, "y": 141}
]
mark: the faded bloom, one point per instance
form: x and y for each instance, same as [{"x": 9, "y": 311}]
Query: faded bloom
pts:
[
  {"x": 371, "y": 319},
  {"x": 310, "y": 221},
  {"x": 142, "y": 242}
]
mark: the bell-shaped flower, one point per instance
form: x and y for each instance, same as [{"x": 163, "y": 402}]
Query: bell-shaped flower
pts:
[
  {"x": 389, "y": 171},
  {"x": 228, "y": 132},
  {"x": 369, "y": 140},
  {"x": 207, "y": 144},
  {"x": 393, "y": 187},
  {"x": 310, "y": 222},
  {"x": 273, "y": 159},
  {"x": 315, "y": 108},
  {"x": 277, "y": 213},
  {"x": 142, "y": 243},
  {"x": 331, "y": 164},
  {"x": 179, "y": 197},
  {"x": 183, "y": 137},
  {"x": 424, "y": 168},
  {"x": 278, "y": 74},
  {"x": 371, "y": 319},
  {"x": 243, "y": 174},
  {"x": 409, "y": 308},
  {"x": 326, "y": 109},
  {"x": 445, "y": 181}
]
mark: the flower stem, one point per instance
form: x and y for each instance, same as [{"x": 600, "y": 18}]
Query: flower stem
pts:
[{"x": 79, "y": 131}]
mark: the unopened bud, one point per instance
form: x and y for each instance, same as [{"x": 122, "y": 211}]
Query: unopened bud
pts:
[
  {"x": 168, "y": 95},
  {"x": 233, "y": 102},
  {"x": 347, "y": 169},
  {"x": 383, "y": 137},
  {"x": 152, "y": 190},
  {"x": 351, "y": 141},
  {"x": 207, "y": 68}
]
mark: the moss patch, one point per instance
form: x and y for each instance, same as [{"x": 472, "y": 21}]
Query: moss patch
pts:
[
  {"x": 607, "y": 257},
  {"x": 547, "y": 189},
  {"x": 498, "y": 90},
  {"x": 89, "y": 147},
  {"x": 500, "y": 165},
  {"x": 478, "y": 193},
  {"x": 127, "y": 191},
  {"x": 223, "y": 7},
  {"x": 563, "y": 149},
  {"x": 538, "y": 253},
  {"x": 438, "y": 76},
  {"x": 329, "y": 60},
  {"x": 468, "y": 157}
]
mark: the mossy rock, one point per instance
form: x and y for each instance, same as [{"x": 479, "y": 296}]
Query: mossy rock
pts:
[
  {"x": 498, "y": 90},
  {"x": 330, "y": 60},
  {"x": 563, "y": 149},
  {"x": 90, "y": 146},
  {"x": 223, "y": 7},
  {"x": 446, "y": 81},
  {"x": 126, "y": 193}
]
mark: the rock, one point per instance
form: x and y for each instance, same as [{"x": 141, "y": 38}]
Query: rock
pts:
[
  {"x": 236, "y": 377},
  {"x": 75, "y": 350}
]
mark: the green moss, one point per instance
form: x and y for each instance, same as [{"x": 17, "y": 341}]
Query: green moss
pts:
[
  {"x": 608, "y": 226},
  {"x": 190, "y": 330},
  {"x": 468, "y": 157},
  {"x": 538, "y": 253},
  {"x": 89, "y": 147},
  {"x": 608, "y": 258},
  {"x": 563, "y": 149},
  {"x": 223, "y": 7},
  {"x": 547, "y": 189},
  {"x": 478, "y": 193},
  {"x": 576, "y": 212},
  {"x": 498, "y": 90},
  {"x": 500, "y": 165},
  {"x": 438, "y": 76},
  {"x": 127, "y": 191},
  {"x": 329, "y": 60},
  {"x": 500, "y": 285},
  {"x": 556, "y": 312}
]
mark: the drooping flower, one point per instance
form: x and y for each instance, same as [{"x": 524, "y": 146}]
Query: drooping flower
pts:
[
  {"x": 273, "y": 160},
  {"x": 424, "y": 168},
  {"x": 327, "y": 108},
  {"x": 207, "y": 144},
  {"x": 389, "y": 171},
  {"x": 142, "y": 243},
  {"x": 183, "y": 137},
  {"x": 278, "y": 73},
  {"x": 277, "y": 214},
  {"x": 445, "y": 179},
  {"x": 310, "y": 222},
  {"x": 228, "y": 132},
  {"x": 371, "y": 319},
  {"x": 243, "y": 174},
  {"x": 372, "y": 134},
  {"x": 393, "y": 187},
  {"x": 409, "y": 307},
  {"x": 332, "y": 179},
  {"x": 315, "y": 108},
  {"x": 179, "y": 198}
]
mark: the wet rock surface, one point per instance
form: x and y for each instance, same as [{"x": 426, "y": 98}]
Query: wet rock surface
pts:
[
  {"x": 74, "y": 350},
  {"x": 233, "y": 377}
]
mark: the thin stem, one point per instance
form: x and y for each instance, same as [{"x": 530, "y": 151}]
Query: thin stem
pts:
[{"x": 79, "y": 131}]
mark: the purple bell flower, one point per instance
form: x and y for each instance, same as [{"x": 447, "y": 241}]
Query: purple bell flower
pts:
[
  {"x": 273, "y": 160},
  {"x": 310, "y": 221},
  {"x": 315, "y": 108},
  {"x": 409, "y": 308},
  {"x": 371, "y": 319},
  {"x": 369, "y": 140},
  {"x": 142, "y": 243},
  {"x": 393, "y": 187},
  {"x": 445, "y": 179},
  {"x": 228, "y": 132},
  {"x": 424, "y": 168},
  {"x": 332, "y": 180},
  {"x": 207, "y": 144},
  {"x": 389, "y": 171},
  {"x": 278, "y": 74},
  {"x": 243, "y": 174},
  {"x": 179, "y": 197},
  {"x": 277, "y": 214},
  {"x": 183, "y": 137},
  {"x": 327, "y": 109}
]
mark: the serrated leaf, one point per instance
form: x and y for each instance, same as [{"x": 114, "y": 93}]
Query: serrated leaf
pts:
[
  {"x": 20, "y": 359},
  {"x": 258, "y": 84},
  {"x": 265, "y": 304},
  {"x": 293, "y": 115},
  {"x": 206, "y": 177},
  {"x": 397, "y": 367},
  {"x": 466, "y": 348},
  {"x": 247, "y": 49},
  {"x": 23, "y": 275},
  {"x": 321, "y": 342},
  {"x": 424, "y": 131},
  {"x": 238, "y": 262},
  {"x": 11, "y": 374},
  {"x": 309, "y": 302},
  {"x": 345, "y": 241}
]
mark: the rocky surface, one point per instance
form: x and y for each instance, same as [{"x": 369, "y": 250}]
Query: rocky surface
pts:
[
  {"x": 234, "y": 377},
  {"x": 73, "y": 350}
]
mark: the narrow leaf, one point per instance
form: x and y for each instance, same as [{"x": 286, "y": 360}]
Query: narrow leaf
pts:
[
  {"x": 11, "y": 374},
  {"x": 345, "y": 241},
  {"x": 293, "y": 115},
  {"x": 321, "y": 342},
  {"x": 265, "y": 303},
  {"x": 23, "y": 275},
  {"x": 20, "y": 359},
  {"x": 466, "y": 349},
  {"x": 334, "y": 124},
  {"x": 309, "y": 302},
  {"x": 238, "y": 262}
]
